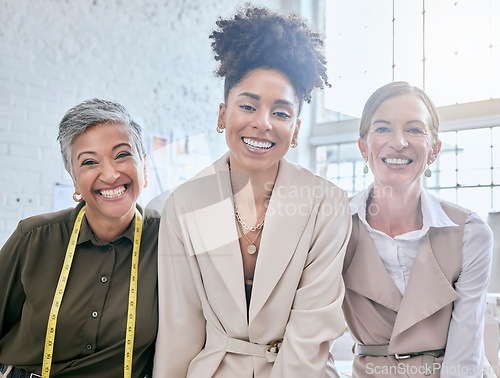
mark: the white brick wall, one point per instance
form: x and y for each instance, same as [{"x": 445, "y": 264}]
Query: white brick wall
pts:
[{"x": 152, "y": 56}]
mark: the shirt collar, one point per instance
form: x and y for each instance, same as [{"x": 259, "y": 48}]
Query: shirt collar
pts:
[
  {"x": 86, "y": 233},
  {"x": 357, "y": 204},
  {"x": 432, "y": 211}
]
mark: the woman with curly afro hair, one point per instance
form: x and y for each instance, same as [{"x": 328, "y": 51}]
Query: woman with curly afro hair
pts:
[{"x": 251, "y": 249}]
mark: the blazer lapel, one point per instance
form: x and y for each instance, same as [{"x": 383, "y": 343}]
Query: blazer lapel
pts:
[
  {"x": 366, "y": 266},
  {"x": 215, "y": 232},
  {"x": 288, "y": 213},
  {"x": 427, "y": 292}
]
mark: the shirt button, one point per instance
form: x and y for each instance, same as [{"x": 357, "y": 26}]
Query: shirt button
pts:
[
  {"x": 110, "y": 247},
  {"x": 104, "y": 279},
  {"x": 95, "y": 314},
  {"x": 88, "y": 346}
]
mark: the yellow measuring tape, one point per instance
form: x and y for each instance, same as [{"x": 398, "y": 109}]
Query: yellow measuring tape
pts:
[
  {"x": 61, "y": 286},
  {"x": 132, "y": 297}
]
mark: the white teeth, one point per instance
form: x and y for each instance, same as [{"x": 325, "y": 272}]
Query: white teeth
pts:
[
  {"x": 397, "y": 161},
  {"x": 257, "y": 144},
  {"x": 113, "y": 193}
]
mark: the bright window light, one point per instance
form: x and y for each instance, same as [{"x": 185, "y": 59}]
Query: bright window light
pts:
[{"x": 451, "y": 50}]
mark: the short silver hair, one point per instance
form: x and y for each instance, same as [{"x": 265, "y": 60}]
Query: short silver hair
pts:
[{"x": 90, "y": 113}]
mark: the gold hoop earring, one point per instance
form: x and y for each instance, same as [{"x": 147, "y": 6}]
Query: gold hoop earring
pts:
[
  {"x": 75, "y": 198},
  {"x": 219, "y": 129},
  {"x": 293, "y": 143}
]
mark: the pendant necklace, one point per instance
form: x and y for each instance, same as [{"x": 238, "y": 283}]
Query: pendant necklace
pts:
[{"x": 252, "y": 248}]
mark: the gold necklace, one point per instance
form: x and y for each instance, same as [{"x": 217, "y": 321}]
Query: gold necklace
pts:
[
  {"x": 243, "y": 224},
  {"x": 237, "y": 214},
  {"x": 252, "y": 248}
]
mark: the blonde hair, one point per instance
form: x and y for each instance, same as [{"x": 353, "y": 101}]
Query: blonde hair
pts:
[{"x": 394, "y": 89}]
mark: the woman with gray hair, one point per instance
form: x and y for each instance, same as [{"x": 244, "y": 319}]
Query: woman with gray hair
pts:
[{"x": 78, "y": 295}]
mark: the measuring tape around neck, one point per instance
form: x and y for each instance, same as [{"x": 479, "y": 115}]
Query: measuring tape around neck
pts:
[{"x": 61, "y": 286}]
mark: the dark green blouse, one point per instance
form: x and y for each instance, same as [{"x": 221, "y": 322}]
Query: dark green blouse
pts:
[{"x": 90, "y": 334}]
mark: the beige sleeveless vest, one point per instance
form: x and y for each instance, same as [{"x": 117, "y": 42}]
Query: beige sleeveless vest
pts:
[{"x": 378, "y": 314}]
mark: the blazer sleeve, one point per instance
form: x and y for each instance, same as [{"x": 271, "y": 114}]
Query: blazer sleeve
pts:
[
  {"x": 316, "y": 316},
  {"x": 181, "y": 329}
]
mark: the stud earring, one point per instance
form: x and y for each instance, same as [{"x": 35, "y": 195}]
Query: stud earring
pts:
[
  {"x": 294, "y": 143},
  {"x": 219, "y": 129},
  {"x": 365, "y": 168},
  {"x": 75, "y": 197}
]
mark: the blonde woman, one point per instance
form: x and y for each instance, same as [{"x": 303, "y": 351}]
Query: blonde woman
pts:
[{"x": 416, "y": 268}]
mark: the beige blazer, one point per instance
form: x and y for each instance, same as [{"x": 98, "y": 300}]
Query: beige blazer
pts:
[
  {"x": 377, "y": 313},
  {"x": 297, "y": 292}
]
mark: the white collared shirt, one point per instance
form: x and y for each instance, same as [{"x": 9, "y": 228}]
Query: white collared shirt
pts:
[{"x": 464, "y": 354}]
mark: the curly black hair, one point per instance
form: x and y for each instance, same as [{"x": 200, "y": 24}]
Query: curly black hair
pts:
[{"x": 256, "y": 37}]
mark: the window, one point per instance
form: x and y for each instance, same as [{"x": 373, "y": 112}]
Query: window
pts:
[
  {"x": 467, "y": 169},
  {"x": 451, "y": 49},
  {"x": 342, "y": 164}
]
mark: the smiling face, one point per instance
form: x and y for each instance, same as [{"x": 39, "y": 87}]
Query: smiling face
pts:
[
  {"x": 399, "y": 143},
  {"x": 108, "y": 172},
  {"x": 260, "y": 117}
]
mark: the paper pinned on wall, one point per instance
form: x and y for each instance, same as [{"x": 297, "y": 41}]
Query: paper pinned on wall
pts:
[{"x": 171, "y": 161}]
